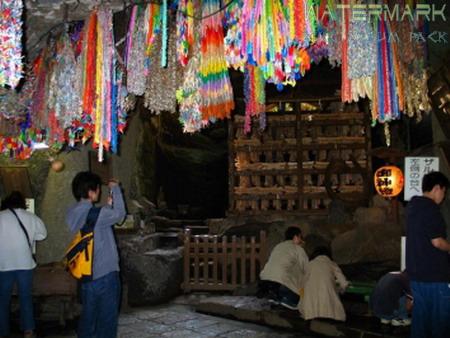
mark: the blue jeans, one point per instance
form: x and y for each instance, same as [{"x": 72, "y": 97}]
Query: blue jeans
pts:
[
  {"x": 431, "y": 310},
  {"x": 24, "y": 280},
  {"x": 399, "y": 313},
  {"x": 100, "y": 300}
]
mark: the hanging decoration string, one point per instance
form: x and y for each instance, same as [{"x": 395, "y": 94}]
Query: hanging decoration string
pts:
[
  {"x": 216, "y": 90},
  {"x": 11, "y": 66},
  {"x": 164, "y": 34}
]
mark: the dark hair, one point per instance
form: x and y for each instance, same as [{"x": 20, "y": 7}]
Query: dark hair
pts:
[
  {"x": 432, "y": 179},
  {"x": 321, "y": 251},
  {"x": 14, "y": 200},
  {"x": 291, "y": 232},
  {"x": 84, "y": 182}
]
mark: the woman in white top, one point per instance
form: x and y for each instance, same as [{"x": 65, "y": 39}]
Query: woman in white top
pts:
[
  {"x": 323, "y": 281},
  {"x": 16, "y": 259}
]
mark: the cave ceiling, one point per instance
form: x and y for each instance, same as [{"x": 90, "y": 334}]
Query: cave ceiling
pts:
[{"x": 43, "y": 16}]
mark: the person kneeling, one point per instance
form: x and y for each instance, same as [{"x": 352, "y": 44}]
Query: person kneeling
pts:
[
  {"x": 324, "y": 279},
  {"x": 282, "y": 276},
  {"x": 391, "y": 299}
]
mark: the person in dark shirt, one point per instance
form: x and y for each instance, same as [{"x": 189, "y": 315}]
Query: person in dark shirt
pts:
[
  {"x": 391, "y": 299},
  {"x": 427, "y": 259}
]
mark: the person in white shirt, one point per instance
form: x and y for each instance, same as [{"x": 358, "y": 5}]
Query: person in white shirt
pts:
[
  {"x": 16, "y": 260},
  {"x": 282, "y": 276}
]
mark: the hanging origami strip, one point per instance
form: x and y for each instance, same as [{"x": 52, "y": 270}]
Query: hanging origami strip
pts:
[
  {"x": 319, "y": 50},
  {"x": 64, "y": 89},
  {"x": 105, "y": 81},
  {"x": 361, "y": 49},
  {"x": 362, "y": 58},
  {"x": 102, "y": 87},
  {"x": 152, "y": 28},
  {"x": 88, "y": 57},
  {"x": 162, "y": 83},
  {"x": 233, "y": 38},
  {"x": 274, "y": 37},
  {"x": 216, "y": 90},
  {"x": 164, "y": 30},
  {"x": 255, "y": 98},
  {"x": 120, "y": 107},
  {"x": 11, "y": 66},
  {"x": 409, "y": 65},
  {"x": 387, "y": 99},
  {"x": 265, "y": 37},
  {"x": 38, "y": 108},
  {"x": 188, "y": 96},
  {"x": 135, "y": 54},
  {"x": 333, "y": 39},
  {"x": 185, "y": 30},
  {"x": 346, "y": 83}
]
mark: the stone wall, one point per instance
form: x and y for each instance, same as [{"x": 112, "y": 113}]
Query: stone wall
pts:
[
  {"x": 53, "y": 189},
  {"x": 56, "y": 198}
]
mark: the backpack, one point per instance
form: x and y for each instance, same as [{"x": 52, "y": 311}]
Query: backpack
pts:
[{"x": 79, "y": 257}]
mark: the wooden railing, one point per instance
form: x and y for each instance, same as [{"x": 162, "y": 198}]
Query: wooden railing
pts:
[{"x": 215, "y": 263}]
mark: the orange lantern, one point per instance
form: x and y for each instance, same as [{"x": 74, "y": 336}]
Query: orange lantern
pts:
[
  {"x": 57, "y": 165},
  {"x": 388, "y": 181}
]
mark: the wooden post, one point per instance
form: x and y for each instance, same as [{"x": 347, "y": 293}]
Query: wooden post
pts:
[
  {"x": 233, "y": 262},
  {"x": 215, "y": 261},
  {"x": 243, "y": 260},
  {"x": 224, "y": 261},
  {"x": 187, "y": 260},
  {"x": 196, "y": 260},
  {"x": 262, "y": 249},
  {"x": 252, "y": 259},
  {"x": 205, "y": 259}
]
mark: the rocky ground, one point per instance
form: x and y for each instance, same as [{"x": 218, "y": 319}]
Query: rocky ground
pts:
[{"x": 175, "y": 319}]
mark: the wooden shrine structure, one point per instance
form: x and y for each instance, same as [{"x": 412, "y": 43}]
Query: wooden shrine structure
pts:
[{"x": 304, "y": 158}]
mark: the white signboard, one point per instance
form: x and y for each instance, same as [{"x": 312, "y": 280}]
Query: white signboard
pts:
[
  {"x": 30, "y": 204},
  {"x": 415, "y": 169}
]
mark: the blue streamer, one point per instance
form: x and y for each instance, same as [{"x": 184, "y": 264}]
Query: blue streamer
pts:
[
  {"x": 380, "y": 74},
  {"x": 164, "y": 35},
  {"x": 114, "y": 117}
]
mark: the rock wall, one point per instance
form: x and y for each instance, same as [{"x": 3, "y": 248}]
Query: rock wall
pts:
[
  {"x": 56, "y": 194},
  {"x": 57, "y": 197}
]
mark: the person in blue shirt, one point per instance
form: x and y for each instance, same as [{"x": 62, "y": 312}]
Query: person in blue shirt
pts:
[
  {"x": 427, "y": 259},
  {"x": 100, "y": 296}
]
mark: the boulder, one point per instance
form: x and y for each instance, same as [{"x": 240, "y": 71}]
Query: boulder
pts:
[
  {"x": 373, "y": 215},
  {"x": 338, "y": 213},
  {"x": 368, "y": 243},
  {"x": 380, "y": 201},
  {"x": 153, "y": 277}
]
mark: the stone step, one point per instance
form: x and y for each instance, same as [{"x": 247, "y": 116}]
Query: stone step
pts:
[{"x": 252, "y": 309}]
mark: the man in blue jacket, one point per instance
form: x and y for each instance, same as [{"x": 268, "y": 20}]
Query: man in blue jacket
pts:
[
  {"x": 101, "y": 296},
  {"x": 427, "y": 259}
]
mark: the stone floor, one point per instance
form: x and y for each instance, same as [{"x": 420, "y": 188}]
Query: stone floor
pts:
[{"x": 172, "y": 321}]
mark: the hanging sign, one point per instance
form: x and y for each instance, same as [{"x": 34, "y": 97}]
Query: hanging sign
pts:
[{"x": 415, "y": 169}]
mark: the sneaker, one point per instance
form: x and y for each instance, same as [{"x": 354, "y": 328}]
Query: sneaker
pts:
[
  {"x": 401, "y": 322},
  {"x": 385, "y": 321},
  {"x": 273, "y": 301},
  {"x": 284, "y": 302}
]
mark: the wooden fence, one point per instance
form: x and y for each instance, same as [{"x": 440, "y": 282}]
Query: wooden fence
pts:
[{"x": 215, "y": 263}]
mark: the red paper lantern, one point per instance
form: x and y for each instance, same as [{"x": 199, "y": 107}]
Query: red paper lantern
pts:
[{"x": 388, "y": 181}]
